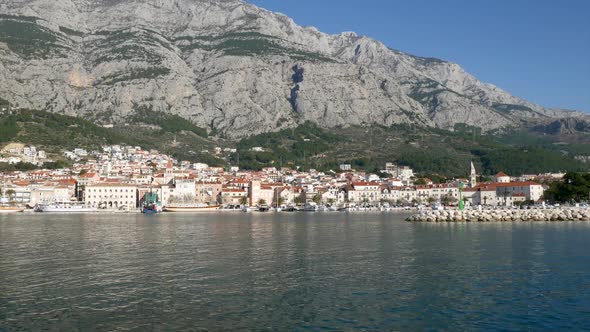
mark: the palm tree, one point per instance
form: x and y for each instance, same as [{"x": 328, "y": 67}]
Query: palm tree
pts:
[
  {"x": 243, "y": 200},
  {"x": 261, "y": 202},
  {"x": 11, "y": 193},
  {"x": 317, "y": 198}
]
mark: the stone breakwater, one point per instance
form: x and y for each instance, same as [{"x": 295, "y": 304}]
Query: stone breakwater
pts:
[{"x": 556, "y": 214}]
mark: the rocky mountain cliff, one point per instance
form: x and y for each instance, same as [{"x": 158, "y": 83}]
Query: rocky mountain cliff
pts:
[{"x": 231, "y": 67}]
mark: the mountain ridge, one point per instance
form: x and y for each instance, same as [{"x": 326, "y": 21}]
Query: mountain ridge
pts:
[{"x": 234, "y": 68}]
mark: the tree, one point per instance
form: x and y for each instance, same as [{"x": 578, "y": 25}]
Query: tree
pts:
[
  {"x": 317, "y": 198},
  {"x": 261, "y": 202},
  {"x": 11, "y": 193},
  {"x": 299, "y": 200},
  {"x": 420, "y": 182},
  {"x": 243, "y": 200},
  {"x": 448, "y": 200},
  {"x": 575, "y": 187},
  {"x": 431, "y": 200}
]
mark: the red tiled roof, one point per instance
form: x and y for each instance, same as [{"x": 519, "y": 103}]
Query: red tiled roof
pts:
[{"x": 363, "y": 184}]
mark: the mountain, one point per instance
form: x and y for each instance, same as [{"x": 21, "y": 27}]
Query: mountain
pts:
[{"x": 234, "y": 69}]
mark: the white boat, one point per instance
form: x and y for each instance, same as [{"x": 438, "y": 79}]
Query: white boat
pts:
[
  {"x": 247, "y": 208},
  {"x": 65, "y": 207},
  {"x": 231, "y": 208},
  {"x": 10, "y": 209},
  {"x": 192, "y": 208},
  {"x": 310, "y": 207},
  {"x": 263, "y": 208}
]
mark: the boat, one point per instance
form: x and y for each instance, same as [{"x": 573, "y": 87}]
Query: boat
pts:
[
  {"x": 247, "y": 208},
  {"x": 151, "y": 204},
  {"x": 289, "y": 208},
  {"x": 231, "y": 208},
  {"x": 10, "y": 209},
  {"x": 263, "y": 208},
  {"x": 310, "y": 207},
  {"x": 150, "y": 208},
  {"x": 64, "y": 207},
  {"x": 192, "y": 208}
]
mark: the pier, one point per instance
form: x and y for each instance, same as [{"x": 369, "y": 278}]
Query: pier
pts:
[{"x": 503, "y": 215}]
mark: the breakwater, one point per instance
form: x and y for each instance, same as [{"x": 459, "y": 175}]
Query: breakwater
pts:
[{"x": 506, "y": 215}]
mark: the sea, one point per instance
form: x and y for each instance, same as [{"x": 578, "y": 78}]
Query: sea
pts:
[{"x": 290, "y": 272}]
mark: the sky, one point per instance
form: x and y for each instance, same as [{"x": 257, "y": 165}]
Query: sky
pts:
[{"x": 538, "y": 50}]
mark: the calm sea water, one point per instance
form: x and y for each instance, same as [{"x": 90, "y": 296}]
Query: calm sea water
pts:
[{"x": 285, "y": 272}]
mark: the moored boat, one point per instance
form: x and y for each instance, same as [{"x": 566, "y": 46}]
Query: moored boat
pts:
[
  {"x": 191, "y": 208},
  {"x": 151, "y": 204},
  {"x": 10, "y": 209},
  {"x": 65, "y": 207}
]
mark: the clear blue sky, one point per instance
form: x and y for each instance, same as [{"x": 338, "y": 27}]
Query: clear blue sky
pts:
[{"x": 535, "y": 49}]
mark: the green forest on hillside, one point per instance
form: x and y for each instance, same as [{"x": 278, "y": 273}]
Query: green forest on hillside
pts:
[{"x": 429, "y": 151}]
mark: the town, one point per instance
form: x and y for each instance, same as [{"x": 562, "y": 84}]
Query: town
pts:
[{"x": 124, "y": 178}]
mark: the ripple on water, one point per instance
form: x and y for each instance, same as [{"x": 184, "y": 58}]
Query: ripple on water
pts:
[{"x": 289, "y": 272}]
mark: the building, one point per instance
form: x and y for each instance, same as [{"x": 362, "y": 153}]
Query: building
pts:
[
  {"x": 368, "y": 192},
  {"x": 504, "y": 193},
  {"x": 403, "y": 173},
  {"x": 438, "y": 192},
  {"x": 472, "y": 176},
  {"x": 501, "y": 177},
  {"x": 233, "y": 195},
  {"x": 111, "y": 195},
  {"x": 208, "y": 192}
]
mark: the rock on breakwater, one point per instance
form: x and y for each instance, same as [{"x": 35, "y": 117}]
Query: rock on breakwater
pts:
[{"x": 507, "y": 215}]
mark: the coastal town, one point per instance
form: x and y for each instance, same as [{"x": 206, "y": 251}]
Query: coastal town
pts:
[{"x": 126, "y": 178}]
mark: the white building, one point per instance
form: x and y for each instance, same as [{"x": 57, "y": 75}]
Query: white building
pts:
[
  {"x": 403, "y": 173},
  {"x": 111, "y": 195},
  {"x": 369, "y": 192}
]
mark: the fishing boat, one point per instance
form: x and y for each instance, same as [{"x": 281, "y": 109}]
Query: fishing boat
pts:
[
  {"x": 64, "y": 207},
  {"x": 192, "y": 208},
  {"x": 151, "y": 204}
]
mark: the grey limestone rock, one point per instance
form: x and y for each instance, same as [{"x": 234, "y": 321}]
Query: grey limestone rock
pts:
[{"x": 232, "y": 66}]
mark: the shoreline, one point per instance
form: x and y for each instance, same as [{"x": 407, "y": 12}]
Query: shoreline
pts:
[{"x": 507, "y": 215}]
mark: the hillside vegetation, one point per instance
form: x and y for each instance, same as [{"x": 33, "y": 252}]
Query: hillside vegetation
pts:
[{"x": 427, "y": 150}]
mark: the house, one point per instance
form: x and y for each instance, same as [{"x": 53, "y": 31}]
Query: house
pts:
[
  {"x": 504, "y": 193},
  {"x": 208, "y": 192},
  {"x": 111, "y": 195},
  {"x": 368, "y": 192}
]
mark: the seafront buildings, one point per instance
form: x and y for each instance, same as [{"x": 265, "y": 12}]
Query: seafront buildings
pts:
[{"x": 120, "y": 177}]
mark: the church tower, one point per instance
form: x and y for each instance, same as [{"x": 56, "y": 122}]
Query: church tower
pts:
[
  {"x": 472, "y": 176},
  {"x": 169, "y": 173}
]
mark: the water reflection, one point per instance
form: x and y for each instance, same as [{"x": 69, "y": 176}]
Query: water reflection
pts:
[{"x": 289, "y": 271}]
